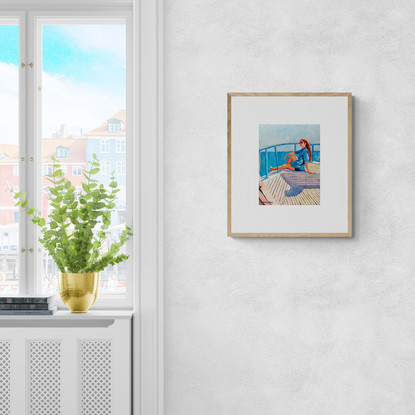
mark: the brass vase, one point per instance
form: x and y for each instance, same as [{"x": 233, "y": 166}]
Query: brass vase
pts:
[{"x": 79, "y": 291}]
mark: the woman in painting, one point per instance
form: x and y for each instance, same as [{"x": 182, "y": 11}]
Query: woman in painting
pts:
[{"x": 298, "y": 160}]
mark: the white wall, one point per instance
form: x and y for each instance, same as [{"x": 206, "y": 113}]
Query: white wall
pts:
[{"x": 290, "y": 326}]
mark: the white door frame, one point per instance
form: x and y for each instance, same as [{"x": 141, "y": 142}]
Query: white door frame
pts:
[{"x": 148, "y": 339}]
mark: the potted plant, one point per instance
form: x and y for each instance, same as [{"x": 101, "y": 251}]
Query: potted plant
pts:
[{"x": 75, "y": 231}]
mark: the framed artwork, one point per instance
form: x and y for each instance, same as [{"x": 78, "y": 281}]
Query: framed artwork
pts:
[{"x": 290, "y": 164}]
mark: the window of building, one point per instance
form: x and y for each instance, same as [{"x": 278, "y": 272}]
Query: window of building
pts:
[
  {"x": 120, "y": 167},
  {"x": 104, "y": 146},
  {"x": 114, "y": 126},
  {"x": 78, "y": 191},
  {"x": 105, "y": 167},
  {"x": 62, "y": 152},
  {"x": 76, "y": 170},
  {"x": 120, "y": 145},
  {"x": 15, "y": 170},
  {"x": 47, "y": 170}
]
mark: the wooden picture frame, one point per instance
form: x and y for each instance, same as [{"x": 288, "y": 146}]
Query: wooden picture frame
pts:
[{"x": 280, "y": 210}]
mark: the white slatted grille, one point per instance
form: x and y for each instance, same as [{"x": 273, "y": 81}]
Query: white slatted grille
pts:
[
  {"x": 45, "y": 377},
  {"x": 96, "y": 378},
  {"x": 5, "y": 378}
]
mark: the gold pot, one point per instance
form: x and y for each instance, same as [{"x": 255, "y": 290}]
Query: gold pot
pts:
[{"x": 79, "y": 291}]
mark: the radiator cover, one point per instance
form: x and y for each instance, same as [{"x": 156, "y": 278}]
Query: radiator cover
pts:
[{"x": 66, "y": 364}]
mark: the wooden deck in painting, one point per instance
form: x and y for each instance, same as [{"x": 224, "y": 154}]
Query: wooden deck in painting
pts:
[{"x": 275, "y": 189}]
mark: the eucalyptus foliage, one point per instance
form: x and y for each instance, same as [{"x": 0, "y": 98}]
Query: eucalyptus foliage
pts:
[{"x": 69, "y": 234}]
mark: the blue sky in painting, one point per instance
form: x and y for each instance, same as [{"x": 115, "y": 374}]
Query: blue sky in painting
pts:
[{"x": 271, "y": 134}]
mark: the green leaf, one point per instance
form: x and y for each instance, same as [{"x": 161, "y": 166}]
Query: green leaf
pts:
[
  {"x": 42, "y": 222},
  {"x": 57, "y": 173}
]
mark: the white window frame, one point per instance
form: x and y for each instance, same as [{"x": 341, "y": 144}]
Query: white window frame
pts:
[
  {"x": 120, "y": 167},
  {"x": 147, "y": 120},
  {"x": 105, "y": 166},
  {"x": 16, "y": 170},
  {"x": 120, "y": 145},
  {"x": 111, "y": 128},
  {"x": 76, "y": 169},
  {"x": 64, "y": 150},
  {"x": 30, "y": 86},
  {"x": 47, "y": 170},
  {"x": 105, "y": 145}
]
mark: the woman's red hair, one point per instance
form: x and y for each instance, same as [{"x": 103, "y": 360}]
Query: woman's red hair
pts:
[{"x": 307, "y": 145}]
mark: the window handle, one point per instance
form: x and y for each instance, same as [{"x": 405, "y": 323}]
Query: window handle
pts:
[
  {"x": 24, "y": 250},
  {"x": 24, "y": 64}
]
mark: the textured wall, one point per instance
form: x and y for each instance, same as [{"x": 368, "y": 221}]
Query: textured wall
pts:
[{"x": 290, "y": 326}]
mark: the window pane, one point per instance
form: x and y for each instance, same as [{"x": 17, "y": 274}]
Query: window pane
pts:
[
  {"x": 84, "y": 113},
  {"x": 9, "y": 156}
]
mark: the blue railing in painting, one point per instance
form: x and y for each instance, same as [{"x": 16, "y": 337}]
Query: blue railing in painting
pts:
[{"x": 273, "y": 157}]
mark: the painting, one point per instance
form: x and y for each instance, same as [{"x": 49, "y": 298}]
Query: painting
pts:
[
  {"x": 289, "y": 170},
  {"x": 289, "y": 164}
]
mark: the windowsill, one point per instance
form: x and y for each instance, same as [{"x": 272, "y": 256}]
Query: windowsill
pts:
[{"x": 67, "y": 315}]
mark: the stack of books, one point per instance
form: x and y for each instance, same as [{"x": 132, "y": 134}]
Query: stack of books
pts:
[{"x": 27, "y": 305}]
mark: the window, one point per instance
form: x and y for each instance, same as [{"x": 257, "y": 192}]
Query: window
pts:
[
  {"x": 76, "y": 170},
  {"x": 62, "y": 152},
  {"x": 114, "y": 126},
  {"x": 77, "y": 65},
  {"x": 78, "y": 191},
  {"x": 105, "y": 167},
  {"x": 120, "y": 167},
  {"x": 9, "y": 154},
  {"x": 120, "y": 145},
  {"x": 47, "y": 170},
  {"x": 104, "y": 146}
]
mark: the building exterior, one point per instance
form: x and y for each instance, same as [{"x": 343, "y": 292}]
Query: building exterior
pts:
[
  {"x": 9, "y": 178},
  {"x": 107, "y": 141},
  {"x": 71, "y": 155}
]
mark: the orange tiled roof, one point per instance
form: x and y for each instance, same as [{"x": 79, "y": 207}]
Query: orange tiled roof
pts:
[
  {"x": 9, "y": 153},
  {"x": 102, "y": 129}
]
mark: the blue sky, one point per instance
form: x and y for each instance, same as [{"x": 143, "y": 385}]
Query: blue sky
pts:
[
  {"x": 270, "y": 134},
  {"x": 9, "y": 44},
  {"x": 72, "y": 51},
  {"x": 84, "y": 76},
  {"x": 68, "y": 51}
]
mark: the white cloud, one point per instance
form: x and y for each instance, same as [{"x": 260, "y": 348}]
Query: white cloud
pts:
[
  {"x": 79, "y": 106},
  {"x": 107, "y": 38},
  {"x": 64, "y": 102}
]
